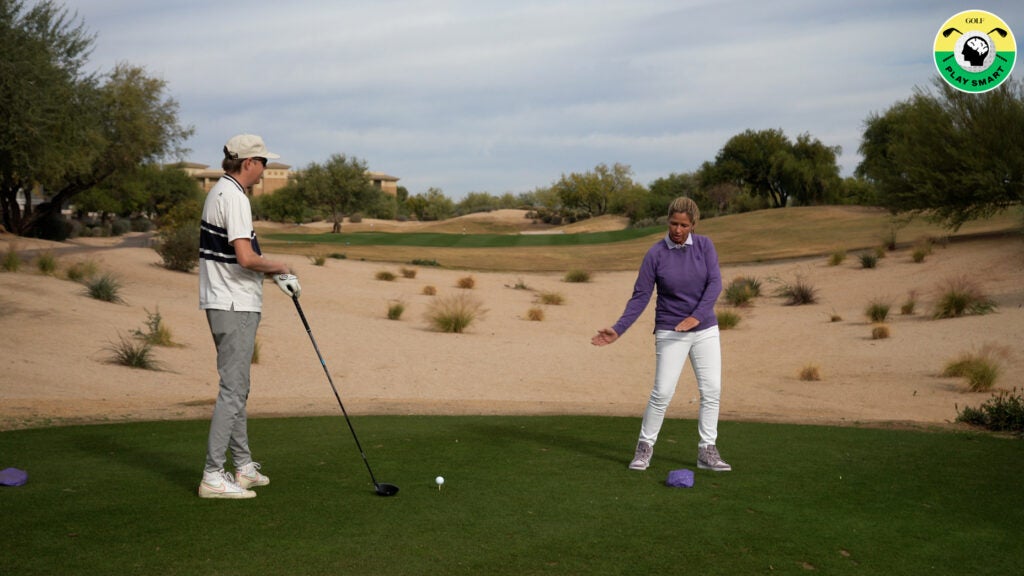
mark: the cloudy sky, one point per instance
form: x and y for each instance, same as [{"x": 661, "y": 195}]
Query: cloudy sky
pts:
[{"x": 506, "y": 96}]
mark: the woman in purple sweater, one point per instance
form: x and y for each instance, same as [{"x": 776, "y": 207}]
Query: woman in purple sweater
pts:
[{"x": 684, "y": 268}]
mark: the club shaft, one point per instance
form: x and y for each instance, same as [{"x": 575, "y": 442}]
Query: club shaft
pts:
[{"x": 334, "y": 388}]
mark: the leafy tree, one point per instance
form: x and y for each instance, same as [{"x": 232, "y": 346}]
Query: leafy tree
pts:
[
  {"x": 948, "y": 154},
  {"x": 597, "y": 191},
  {"x": 667, "y": 188},
  {"x": 286, "y": 204},
  {"x": 148, "y": 189},
  {"x": 66, "y": 130},
  {"x": 767, "y": 164},
  {"x": 340, "y": 186},
  {"x": 433, "y": 205}
]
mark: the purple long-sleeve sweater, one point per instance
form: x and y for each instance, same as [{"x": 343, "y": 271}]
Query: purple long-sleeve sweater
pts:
[{"x": 688, "y": 282}]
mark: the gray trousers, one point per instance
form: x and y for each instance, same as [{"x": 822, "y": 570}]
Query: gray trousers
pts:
[{"x": 234, "y": 333}]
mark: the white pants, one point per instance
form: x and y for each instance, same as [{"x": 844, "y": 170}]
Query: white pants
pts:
[{"x": 705, "y": 353}]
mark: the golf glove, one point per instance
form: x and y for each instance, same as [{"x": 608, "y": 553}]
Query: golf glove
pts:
[{"x": 289, "y": 284}]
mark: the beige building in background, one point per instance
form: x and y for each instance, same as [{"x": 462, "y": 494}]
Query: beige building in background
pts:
[{"x": 275, "y": 176}]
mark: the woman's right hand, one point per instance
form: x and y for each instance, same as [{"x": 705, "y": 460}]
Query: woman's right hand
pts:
[{"x": 604, "y": 337}]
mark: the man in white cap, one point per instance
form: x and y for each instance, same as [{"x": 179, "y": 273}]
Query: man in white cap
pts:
[{"x": 231, "y": 271}]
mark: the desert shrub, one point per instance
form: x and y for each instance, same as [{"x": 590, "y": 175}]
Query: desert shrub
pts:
[
  {"x": 120, "y": 227},
  {"x": 981, "y": 369},
  {"x": 880, "y": 251},
  {"x": 157, "y": 333},
  {"x": 385, "y": 276},
  {"x": 455, "y": 313},
  {"x": 106, "y": 288},
  {"x": 798, "y": 293},
  {"x": 429, "y": 290},
  {"x": 909, "y": 305},
  {"x": 879, "y": 332},
  {"x": 918, "y": 255},
  {"x": 577, "y": 276},
  {"x": 395, "y": 309},
  {"x": 727, "y": 319},
  {"x": 810, "y": 373},
  {"x": 551, "y": 298},
  {"x": 47, "y": 262},
  {"x": 868, "y": 260},
  {"x": 12, "y": 260},
  {"x": 535, "y": 314},
  {"x": 961, "y": 297},
  {"x": 338, "y": 255},
  {"x": 355, "y": 218},
  {"x": 520, "y": 285},
  {"x": 1003, "y": 412},
  {"x": 835, "y": 317},
  {"x": 466, "y": 282},
  {"x": 140, "y": 225},
  {"x": 423, "y": 262},
  {"x": 742, "y": 290},
  {"x": 132, "y": 353},
  {"x": 318, "y": 259},
  {"x": 179, "y": 247},
  {"x": 877, "y": 310},
  {"x": 409, "y": 273},
  {"x": 837, "y": 258},
  {"x": 81, "y": 271}
]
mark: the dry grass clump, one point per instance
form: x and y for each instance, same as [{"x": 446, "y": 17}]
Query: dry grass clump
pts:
[
  {"x": 959, "y": 296},
  {"x": 577, "y": 276},
  {"x": 835, "y": 316},
  {"x": 47, "y": 263},
  {"x": 879, "y": 332},
  {"x": 869, "y": 260},
  {"x": 837, "y": 258},
  {"x": 535, "y": 314},
  {"x": 727, "y": 319},
  {"x": 132, "y": 353},
  {"x": 395, "y": 309},
  {"x": 106, "y": 288},
  {"x": 385, "y": 276},
  {"x": 11, "y": 261},
  {"x": 909, "y": 305},
  {"x": 82, "y": 271},
  {"x": 981, "y": 368},
  {"x": 742, "y": 290},
  {"x": 409, "y": 273},
  {"x": 877, "y": 310},
  {"x": 318, "y": 259},
  {"x": 157, "y": 333},
  {"x": 551, "y": 298},
  {"x": 810, "y": 373},
  {"x": 454, "y": 313},
  {"x": 798, "y": 293},
  {"x": 466, "y": 282},
  {"x": 429, "y": 290}
]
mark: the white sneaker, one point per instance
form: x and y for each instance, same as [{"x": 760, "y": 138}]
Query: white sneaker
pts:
[
  {"x": 220, "y": 484},
  {"x": 642, "y": 457},
  {"x": 249, "y": 476},
  {"x": 709, "y": 459}
]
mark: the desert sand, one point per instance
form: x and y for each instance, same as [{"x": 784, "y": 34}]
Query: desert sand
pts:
[{"x": 54, "y": 366}]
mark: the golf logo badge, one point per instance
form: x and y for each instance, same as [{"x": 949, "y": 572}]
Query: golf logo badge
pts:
[{"x": 975, "y": 51}]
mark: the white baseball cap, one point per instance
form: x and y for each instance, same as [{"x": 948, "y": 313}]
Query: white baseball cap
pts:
[{"x": 247, "y": 146}]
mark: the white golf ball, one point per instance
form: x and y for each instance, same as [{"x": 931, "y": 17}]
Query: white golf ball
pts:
[{"x": 439, "y": 480}]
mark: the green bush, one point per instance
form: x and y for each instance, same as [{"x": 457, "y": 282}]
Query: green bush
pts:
[
  {"x": 12, "y": 260},
  {"x": 1003, "y": 412},
  {"x": 120, "y": 227},
  {"x": 179, "y": 247},
  {"x": 551, "y": 298},
  {"x": 837, "y": 258},
  {"x": 82, "y": 271},
  {"x": 395, "y": 309},
  {"x": 868, "y": 260},
  {"x": 157, "y": 333},
  {"x": 981, "y": 369}
]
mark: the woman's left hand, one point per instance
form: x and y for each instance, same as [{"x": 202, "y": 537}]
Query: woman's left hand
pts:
[{"x": 688, "y": 324}]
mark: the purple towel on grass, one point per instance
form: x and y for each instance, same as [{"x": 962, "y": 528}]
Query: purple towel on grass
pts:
[
  {"x": 13, "y": 477},
  {"x": 680, "y": 478}
]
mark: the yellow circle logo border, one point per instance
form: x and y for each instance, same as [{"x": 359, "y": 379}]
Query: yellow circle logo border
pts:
[{"x": 975, "y": 51}]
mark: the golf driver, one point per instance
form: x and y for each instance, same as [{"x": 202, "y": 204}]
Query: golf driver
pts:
[{"x": 382, "y": 489}]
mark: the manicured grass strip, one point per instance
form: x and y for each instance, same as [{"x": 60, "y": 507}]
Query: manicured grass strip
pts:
[
  {"x": 437, "y": 240},
  {"x": 523, "y": 495}
]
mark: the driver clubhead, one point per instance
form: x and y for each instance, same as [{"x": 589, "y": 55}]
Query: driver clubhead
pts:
[{"x": 386, "y": 489}]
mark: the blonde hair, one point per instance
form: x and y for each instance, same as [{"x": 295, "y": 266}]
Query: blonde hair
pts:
[{"x": 684, "y": 205}]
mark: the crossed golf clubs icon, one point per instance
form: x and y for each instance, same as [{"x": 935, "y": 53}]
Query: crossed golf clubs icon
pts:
[{"x": 1002, "y": 34}]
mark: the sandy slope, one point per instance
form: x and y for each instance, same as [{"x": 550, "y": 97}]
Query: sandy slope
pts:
[{"x": 53, "y": 365}]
